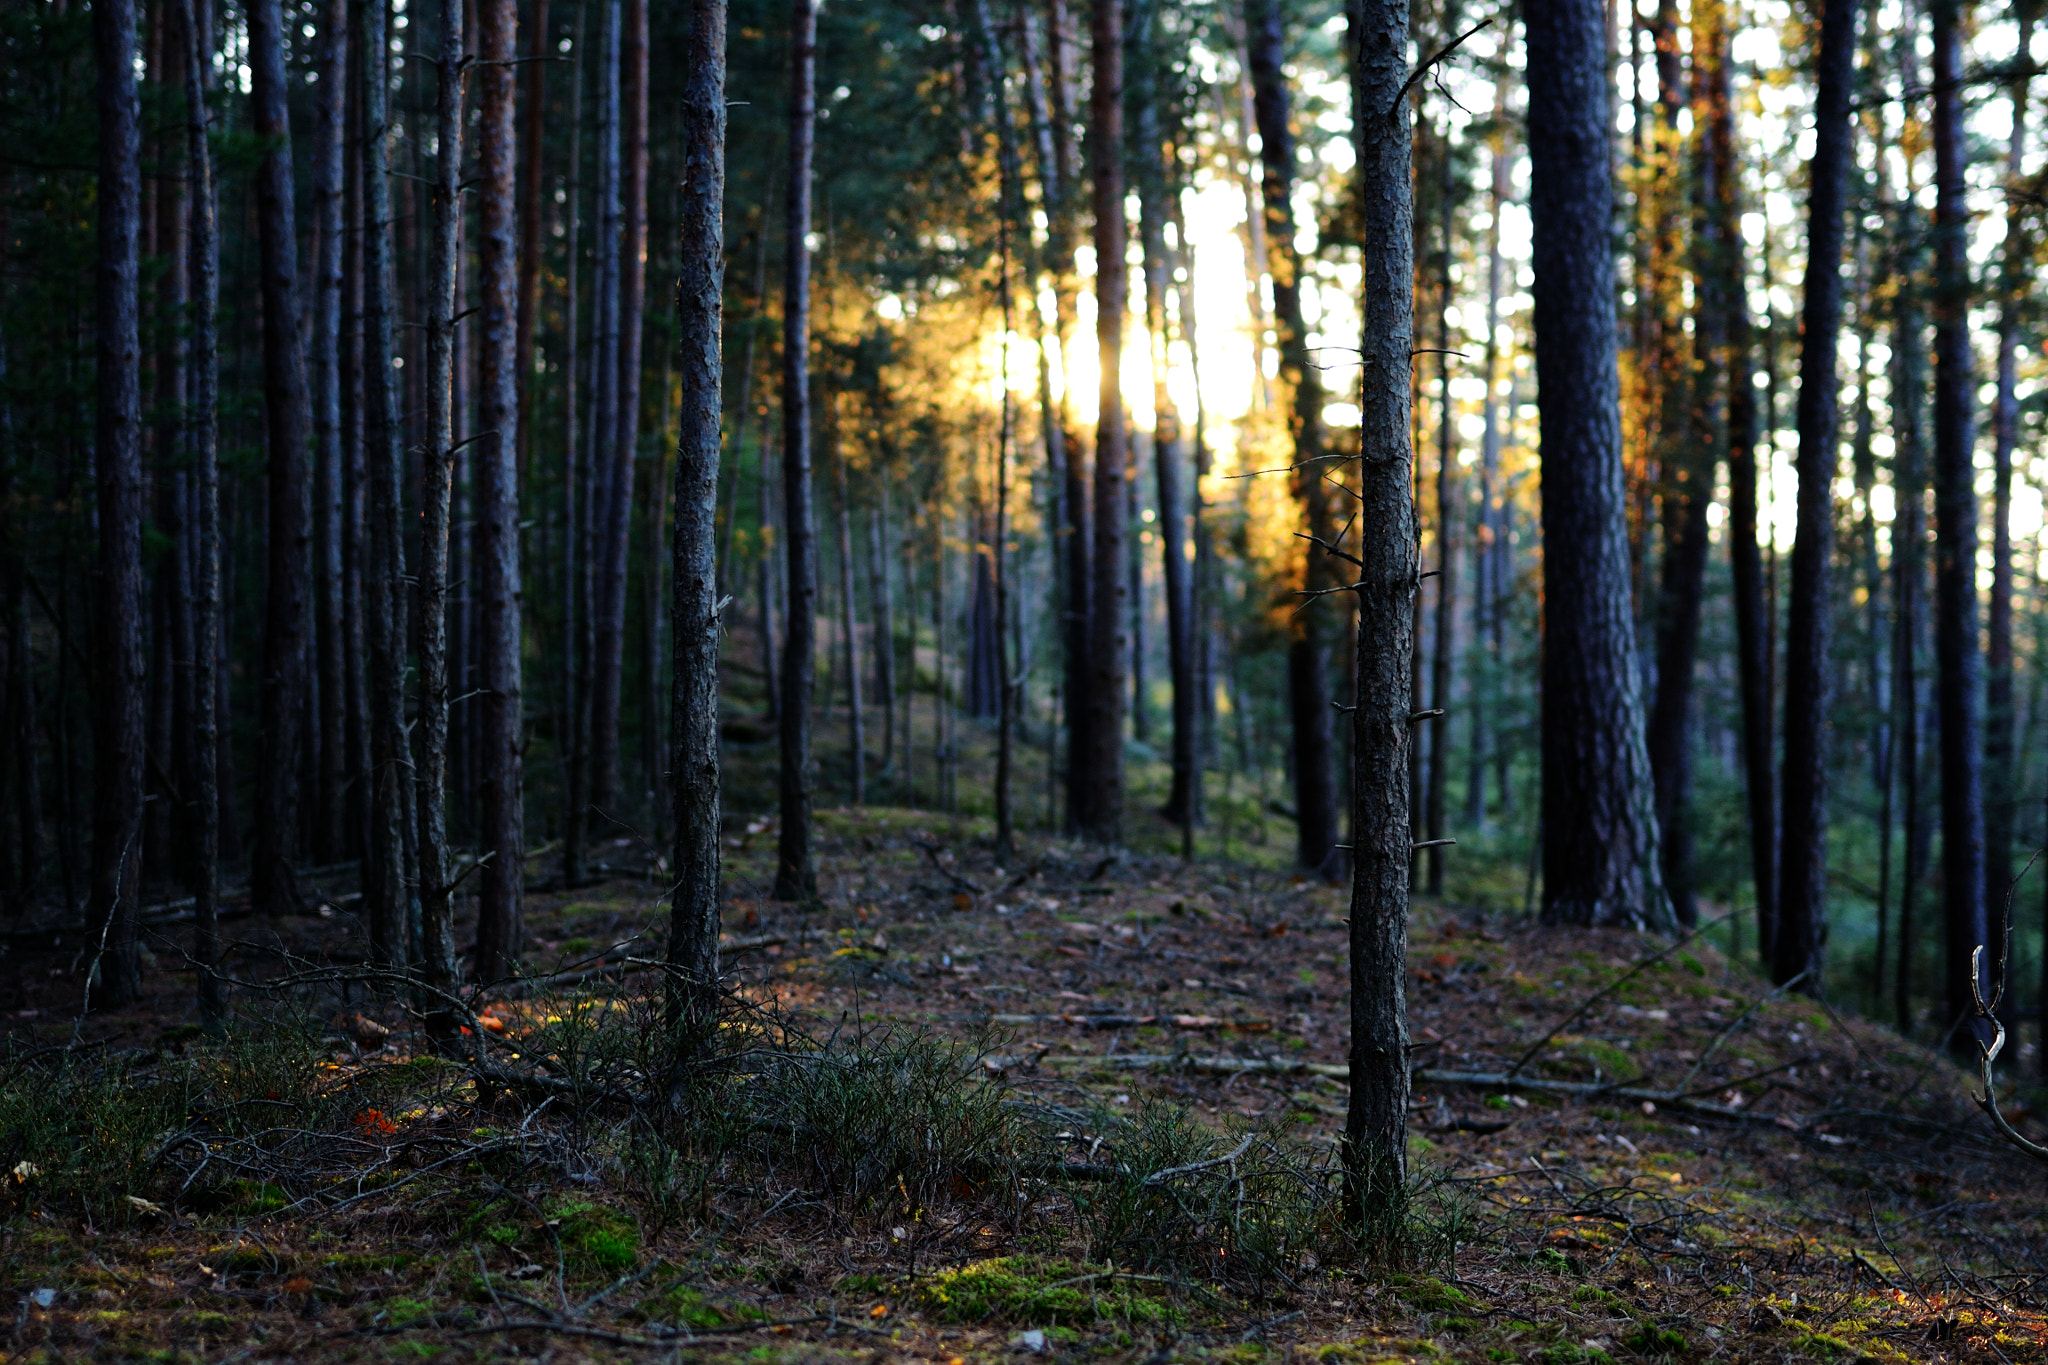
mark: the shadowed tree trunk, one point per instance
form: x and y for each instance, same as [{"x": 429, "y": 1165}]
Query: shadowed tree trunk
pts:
[
  {"x": 693, "y": 635},
  {"x": 1308, "y": 662},
  {"x": 1959, "y": 678},
  {"x": 500, "y": 737},
  {"x": 1484, "y": 677},
  {"x": 437, "y": 472},
  {"x": 330, "y": 129},
  {"x": 1909, "y": 534},
  {"x": 386, "y": 871},
  {"x": 1098, "y": 759},
  {"x": 1375, "y": 1139},
  {"x": 1600, "y": 846},
  {"x": 1802, "y": 894},
  {"x": 607, "y": 636},
  {"x": 796, "y": 877},
  {"x": 2000, "y": 780},
  {"x": 119, "y": 668},
  {"x": 1447, "y": 520},
  {"x": 288, "y": 419},
  {"x": 849, "y": 628},
  {"x": 885, "y": 630},
  {"x": 576, "y": 489},
  {"x": 200, "y": 432},
  {"x": 533, "y": 132}
]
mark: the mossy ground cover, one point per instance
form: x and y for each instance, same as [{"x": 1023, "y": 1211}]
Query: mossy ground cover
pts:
[{"x": 1841, "y": 1204}]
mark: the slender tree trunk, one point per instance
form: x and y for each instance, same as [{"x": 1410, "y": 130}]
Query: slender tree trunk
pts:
[
  {"x": 2000, "y": 780},
  {"x": 1482, "y": 679},
  {"x": 386, "y": 872},
  {"x": 607, "y": 632},
  {"x": 200, "y": 433},
  {"x": 287, "y": 406},
  {"x": 1308, "y": 664},
  {"x": 1376, "y": 1127},
  {"x": 1447, "y": 522},
  {"x": 355, "y": 482},
  {"x": 120, "y": 671},
  {"x": 576, "y": 489},
  {"x": 1745, "y": 558},
  {"x": 884, "y": 627},
  {"x": 330, "y": 129},
  {"x": 849, "y": 628},
  {"x": 1600, "y": 845},
  {"x": 500, "y": 734},
  {"x": 694, "y": 618},
  {"x": 437, "y": 469},
  {"x": 1802, "y": 896},
  {"x": 533, "y": 140},
  {"x": 1955, "y": 540},
  {"x": 1909, "y": 533},
  {"x": 796, "y": 877}
]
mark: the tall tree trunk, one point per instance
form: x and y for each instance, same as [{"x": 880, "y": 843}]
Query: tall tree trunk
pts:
[
  {"x": 796, "y": 877},
  {"x": 1909, "y": 533},
  {"x": 884, "y": 627},
  {"x": 386, "y": 872},
  {"x": 1483, "y": 678},
  {"x": 1689, "y": 475},
  {"x": 1098, "y": 767},
  {"x": 200, "y": 431},
  {"x": 437, "y": 474},
  {"x": 849, "y": 629},
  {"x": 355, "y": 556},
  {"x": 2000, "y": 779},
  {"x": 1745, "y": 558},
  {"x": 1599, "y": 821},
  {"x": 1308, "y": 663},
  {"x": 1375, "y": 1140},
  {"x": 500, "y": 735},
  {"x": 1955, "y": 538},
  {"x": 694, "y": 619},
  {"x": 607, "y": 632},
  {"x": 330, "y": 136},
  {"x": 1447, "y": 522},
  {"x": 273, "y": 887},
  {"x": 533, "y": 139},
  {"x": 576, "y": 490},
  {"x": 1802, "y": 896},
  {"x": 119, "y": 668}
]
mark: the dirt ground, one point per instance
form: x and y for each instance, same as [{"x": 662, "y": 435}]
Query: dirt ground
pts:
[{"x": 1811, "y": 1187}]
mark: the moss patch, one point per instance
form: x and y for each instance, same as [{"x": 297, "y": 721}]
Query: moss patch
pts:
[{"x": 1030, "y": 1290}]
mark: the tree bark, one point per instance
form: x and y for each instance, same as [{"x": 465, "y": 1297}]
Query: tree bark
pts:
[
  {"x": 1960, "y": 676},
  {"x": 387, "y": 874},
  {"x": 694, "y": 619},
  {"x": 533, "y": 140},
  {"x": 1375, "y": 1140},
  {"x": 200, "y": 431},
  {"x": 849, "y": 628},
  {"x": 884, "y": 628},
  {"x": 607, "y": 631},
  {"x": 576, "y": 491},
  {"x": 500, "y": 734},
  {"x": 2000, "y": 779},
  {"x": 330, "y": 131},
  {"x": 120, "y": 669},
  {"x": 1600, "y": 844},
  {"x": 273, "y": 887},
  {"x": 437, "y": 472},
  {"x": 796, "y": 877},
  {"x": 1447, "y": 525},
  {"x": 1484, "y": 676},
  {"x": 1308, "y": 663},
  {"x": 1097, "y": 774},
  {"x": 1909, "y": 533}
]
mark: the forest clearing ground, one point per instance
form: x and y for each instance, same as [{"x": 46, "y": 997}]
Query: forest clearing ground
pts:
[{"x": 1843, "y": 1202}]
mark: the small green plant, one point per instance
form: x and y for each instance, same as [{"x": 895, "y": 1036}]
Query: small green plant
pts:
[
  {"x": 1028, "y": 1291},
  {"x": 596, "y": 1239},
  {"x": 1656, "y": 1341}
]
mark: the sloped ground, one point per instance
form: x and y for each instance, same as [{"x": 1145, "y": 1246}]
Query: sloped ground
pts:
[{"x": 1824, "y": 1191}]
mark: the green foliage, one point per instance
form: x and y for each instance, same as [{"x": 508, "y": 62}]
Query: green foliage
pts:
[
  {"x": 596, "y": 1239},
  {"x": 1029, "y": 1291}
]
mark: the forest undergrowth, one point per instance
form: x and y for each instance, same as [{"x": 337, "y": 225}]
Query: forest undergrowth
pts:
[{"x": 1078, "y": 1105}]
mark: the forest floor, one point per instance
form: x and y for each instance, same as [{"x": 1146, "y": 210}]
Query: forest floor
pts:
[{"x": 1812, "y": 1187}]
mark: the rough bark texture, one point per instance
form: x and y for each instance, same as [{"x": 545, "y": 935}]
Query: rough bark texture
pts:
[
  {"x": 849, "y": 628},
  {"x": 2001, "y": 798},
  {"x": 694, "y": 611},
  {"x": 386, "y": 871},
  {"x": 288, "y": 422},
  {"x": 540, "y": 54},
  {"x": 1308, "y": 661},
  {"x": 1600, "y": 845},
  {"x": 796, "y": 877},
  {"x": 1098, "y": 758},
  {"x": 1909, "y": 572},
  {"x": 495, "y": 460},
  {"x": 119, "y": 667},
  {"x": 1960, "y": 677},
  {"x": 1802, "y": 891},
  {"x": 332, "y": 658},
  {"x": 437, "y": 476},
  {"x": 1375, "y": 1127},
  {"x": 607, "y": 636}
]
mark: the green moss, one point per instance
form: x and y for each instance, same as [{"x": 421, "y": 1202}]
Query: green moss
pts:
[
  {"x": 1030, "y": 1290},
  {"x": 205, "y": 1321},
  {"x": 1822, "y": 1345},
  {"x": 405, "y": 1312},
  {"x": 1564, "y": 1353},
  {"x": 1430, "y": 1295},
  {"x": 1656, "y": 1341},
  {"x": 596, "y": 1239},
  {"x": 1593, "y": 1293},
  {"x": 681, "y": 1306}
]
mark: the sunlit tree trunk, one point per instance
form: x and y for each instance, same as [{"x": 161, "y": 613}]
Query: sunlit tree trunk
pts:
[
  {"x": 1375, "y": 1139},
  {"x": 796, "y": 877},
  {"x": 287, "y": 409},
  {"x": 694, "y": 620},
  {"x": 500, "y": 735}
]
